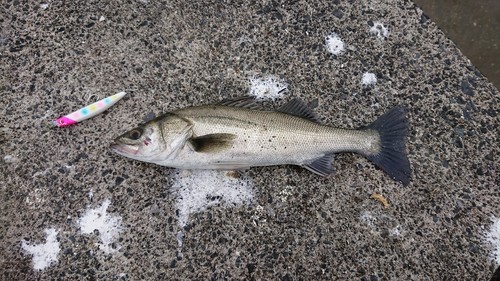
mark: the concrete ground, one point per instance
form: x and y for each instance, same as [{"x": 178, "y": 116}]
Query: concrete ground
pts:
[
  {"x": 474, "y": 26},
  {"x": 72, "y": 210}
]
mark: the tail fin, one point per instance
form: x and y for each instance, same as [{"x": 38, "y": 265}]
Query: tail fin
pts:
[{"x": 393, "y": 129}]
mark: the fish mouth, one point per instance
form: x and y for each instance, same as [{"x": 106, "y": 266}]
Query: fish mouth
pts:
[{"x": 124, "y": 149}]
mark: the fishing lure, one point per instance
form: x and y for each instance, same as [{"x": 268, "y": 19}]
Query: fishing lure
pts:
[{"x": 88, "y": 111}]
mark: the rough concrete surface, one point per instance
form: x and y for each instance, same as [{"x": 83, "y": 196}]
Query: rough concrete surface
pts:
[
  {"x": 55, "y": 55},
  {"x": 475, "y": 28}
]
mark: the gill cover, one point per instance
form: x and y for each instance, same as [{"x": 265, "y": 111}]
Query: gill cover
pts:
[{"x": 159, "y": 140}]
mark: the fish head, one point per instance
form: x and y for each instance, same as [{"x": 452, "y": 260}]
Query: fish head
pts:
[
  {"x": 143, "y": 143},
  {"x": 155, "y": 141}
]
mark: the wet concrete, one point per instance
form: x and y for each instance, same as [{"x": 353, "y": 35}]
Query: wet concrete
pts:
[
  {"x": 55, "y": 55},
  {"x": 474, "y": 26}
]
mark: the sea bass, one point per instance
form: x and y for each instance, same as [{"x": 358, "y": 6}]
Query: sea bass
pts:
[{"x": 238, "y": 134}]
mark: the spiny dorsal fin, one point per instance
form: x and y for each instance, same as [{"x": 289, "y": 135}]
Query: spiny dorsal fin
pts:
[
  {"x": 244, "y": 102},
  {"x": 298, "y": 108},
  {"x": 321, "y": 166},
  {"x": 212, "y": 142}
]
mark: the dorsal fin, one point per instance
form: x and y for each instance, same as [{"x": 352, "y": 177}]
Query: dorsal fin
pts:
[
  {"x": 298, "y": 108},
  {"x": 244, "y": 102}
]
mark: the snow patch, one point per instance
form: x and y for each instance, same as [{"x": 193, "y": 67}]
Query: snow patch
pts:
[
  {"x": 381, "y": 223},
  {"x": 334, "y": 44},
  {"x": 493, "y": 237},
  {"x": 380, "y": 30},
  {"x": 44, "y": 254},
  {"x": 180, "y": 242},
  {"x": 10, "y": 159},
  {"x": 270, "y": 87},
  {"x": 197, "y": 190},
  {"x": 244, "y": 39},
  {"x": 109, "y": 226},
  {"x": 367, "y": 218},
  {"x": 368, "y": 79}
]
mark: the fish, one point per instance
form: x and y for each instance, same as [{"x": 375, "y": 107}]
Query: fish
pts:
[{"x": 238, "y": 133}]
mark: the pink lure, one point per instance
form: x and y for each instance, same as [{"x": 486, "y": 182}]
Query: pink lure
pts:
[{"x": 88, "y": 111}]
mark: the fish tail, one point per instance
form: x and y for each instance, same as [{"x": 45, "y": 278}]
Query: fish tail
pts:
[{"x": 392, "y": 128}]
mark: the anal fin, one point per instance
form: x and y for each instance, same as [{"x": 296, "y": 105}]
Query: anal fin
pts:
[{"x": 321, "y": 166}]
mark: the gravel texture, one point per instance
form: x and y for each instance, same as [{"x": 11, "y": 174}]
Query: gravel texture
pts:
[{"x": 56, "y": 55}]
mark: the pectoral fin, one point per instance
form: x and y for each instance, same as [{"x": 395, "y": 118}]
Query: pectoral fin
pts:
[
  {"x": 212, "y": 143},
  {"x": 321, "y": 166}
]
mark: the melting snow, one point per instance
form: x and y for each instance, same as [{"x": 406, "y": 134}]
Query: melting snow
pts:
[
  {"x": 367, "y": 218},
  {"x": 10, "y": 159},
  {"x": 44, "y": 254},
  {"x": 380, "y": 30},
  {"x": 334, "y": 44},
  {"x": 109, "y": 226},
  {"x": 270, "y": 87},
  {"x": 493, "y": 237},
  {"x": 368, "y": 79},
  {"x": 378, "y": 223},
  {"x": 197, "y": 190}
]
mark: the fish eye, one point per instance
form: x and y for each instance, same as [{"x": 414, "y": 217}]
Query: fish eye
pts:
[{"x": 135, "y": 134}]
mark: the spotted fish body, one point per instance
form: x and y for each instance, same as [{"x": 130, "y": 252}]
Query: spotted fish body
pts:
[{"x": 237, "y": 134}]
